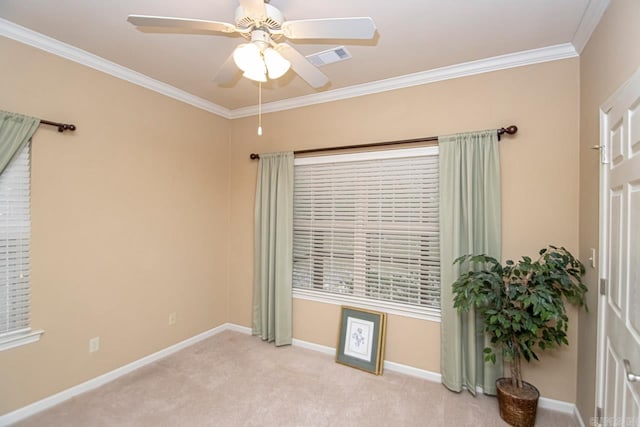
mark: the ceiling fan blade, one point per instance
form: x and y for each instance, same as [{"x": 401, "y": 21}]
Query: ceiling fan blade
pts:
[
  {"x": 301, "y": 65},
  {"x": 227, "y": 72},
  {"x": 254, "y": 9},
  {"x": 189, "y": 24},
  {"x": 332, "y": 28}
]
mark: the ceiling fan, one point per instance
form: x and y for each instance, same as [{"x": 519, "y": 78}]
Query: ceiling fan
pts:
[{"x": 263, "y": 24}]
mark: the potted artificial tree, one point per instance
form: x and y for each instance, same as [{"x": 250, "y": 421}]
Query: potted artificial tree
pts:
[{"x": 522, "y": 305}]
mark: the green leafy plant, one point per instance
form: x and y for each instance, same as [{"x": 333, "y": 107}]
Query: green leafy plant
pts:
[{"x": 522, "y": 303}]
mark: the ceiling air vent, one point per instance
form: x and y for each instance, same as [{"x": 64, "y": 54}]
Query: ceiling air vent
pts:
[{"x": 329, "y": 56}]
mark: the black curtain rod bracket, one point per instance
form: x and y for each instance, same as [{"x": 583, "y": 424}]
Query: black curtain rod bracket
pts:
[
  {"x": 61, "y": 126},
  {"x": 509, "y": 130}
]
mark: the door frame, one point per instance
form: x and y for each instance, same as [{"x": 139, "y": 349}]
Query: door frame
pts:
[{"x": 603, "y": 255}]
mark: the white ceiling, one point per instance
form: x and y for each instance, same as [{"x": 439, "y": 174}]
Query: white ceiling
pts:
[{"x": 412, "y": 36}]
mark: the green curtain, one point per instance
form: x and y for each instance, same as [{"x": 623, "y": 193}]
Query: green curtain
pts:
[
  {"x": 469, "y": 224},
  {"x": 273, "y": 250},
  {"x": 16, "y": 131}
]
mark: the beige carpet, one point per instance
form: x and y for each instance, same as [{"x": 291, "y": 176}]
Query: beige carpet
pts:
[{"x": 233, "y": 379}]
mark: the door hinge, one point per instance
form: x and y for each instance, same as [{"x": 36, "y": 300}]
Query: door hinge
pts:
[
  {"x": 603, "y": 286},
  {"x": 598, "y": 415}
]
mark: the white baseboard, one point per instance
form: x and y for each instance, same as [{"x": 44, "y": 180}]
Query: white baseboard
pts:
[
  {"x": 331, "y": 351},
  {"x": 237, "y": 328},
  {"x": 295, "y": 342},
  {"x": 414, "y": 372},
  {"x": 543, "y": 402},
  {"x": 556, "y": 405},
  {"x": 48, "y": 402},
  {"x": 578, "y": 415}
]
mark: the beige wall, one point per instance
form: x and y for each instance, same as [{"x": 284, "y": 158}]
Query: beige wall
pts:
[
  {"x": 129, "y": 222},
  {"x": 147, "y": 208},
  {"x": 539, "y": 175},
  {"x": 609, "y": 59}
]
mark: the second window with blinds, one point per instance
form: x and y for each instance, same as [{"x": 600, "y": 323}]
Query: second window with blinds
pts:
[{"x": 366, "y": 231}]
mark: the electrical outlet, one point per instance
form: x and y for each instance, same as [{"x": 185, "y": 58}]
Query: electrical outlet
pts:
[
  {"x": 172, "y": 318},
  {"x": 94, "y": 344}
]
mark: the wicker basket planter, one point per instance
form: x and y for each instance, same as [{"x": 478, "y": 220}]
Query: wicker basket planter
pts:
[{"x": 517, "y": 406}]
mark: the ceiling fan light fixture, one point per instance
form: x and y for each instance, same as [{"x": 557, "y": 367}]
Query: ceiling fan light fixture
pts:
[
  {"x": 276, "y": 64},
  {"x": 248, "y": 58},
  {"x": 261, "y": 25},
  {"x": 255, "y": 75}
]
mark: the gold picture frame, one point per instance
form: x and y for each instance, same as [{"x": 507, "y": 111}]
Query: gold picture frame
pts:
[{"x": 361, "y": 339}]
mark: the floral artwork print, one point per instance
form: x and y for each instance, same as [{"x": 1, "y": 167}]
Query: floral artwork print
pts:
[{"x": 359, "y": 338}]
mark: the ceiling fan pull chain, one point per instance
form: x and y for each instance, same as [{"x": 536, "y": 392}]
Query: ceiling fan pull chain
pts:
[{"x": 259, "y": 108}]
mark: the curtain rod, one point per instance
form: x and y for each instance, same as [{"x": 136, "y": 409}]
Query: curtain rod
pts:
[
  {"x": 61, "y": 126},
  {"x": 510, "y": 130}
]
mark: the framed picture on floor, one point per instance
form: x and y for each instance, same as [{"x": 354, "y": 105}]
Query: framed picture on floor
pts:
[{"x": 361, "y": 339}]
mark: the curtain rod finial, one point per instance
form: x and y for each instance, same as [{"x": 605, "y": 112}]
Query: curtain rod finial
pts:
[
  {"x": 254, "y": 156},
  {"x": 509, "y": 130},
  {"x": 63, "y": 126}
]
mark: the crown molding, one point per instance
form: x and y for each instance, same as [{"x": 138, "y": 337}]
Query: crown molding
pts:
[
  {"x": 511, "y": 60},
  {"x": 590, "y": 20},
  {"x": 40, "y": 41},
  {"x": 551, "y": 53}
]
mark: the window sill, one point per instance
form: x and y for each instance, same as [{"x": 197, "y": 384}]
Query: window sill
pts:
[
  {"x": 430, "y": 314},
  {"x": 18, "y": 339}
]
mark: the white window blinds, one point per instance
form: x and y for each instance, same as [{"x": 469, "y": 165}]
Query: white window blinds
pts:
[
  {"x": 366, "y": 225},
  {"x": 15, "y": 235}
]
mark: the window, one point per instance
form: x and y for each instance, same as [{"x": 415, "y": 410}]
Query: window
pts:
[
  {"x": 15, "y": 236},
  {"x": 366, "y": 230}
]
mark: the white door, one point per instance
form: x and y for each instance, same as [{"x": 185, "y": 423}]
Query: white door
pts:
[{"x": 618, "y": 392}]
